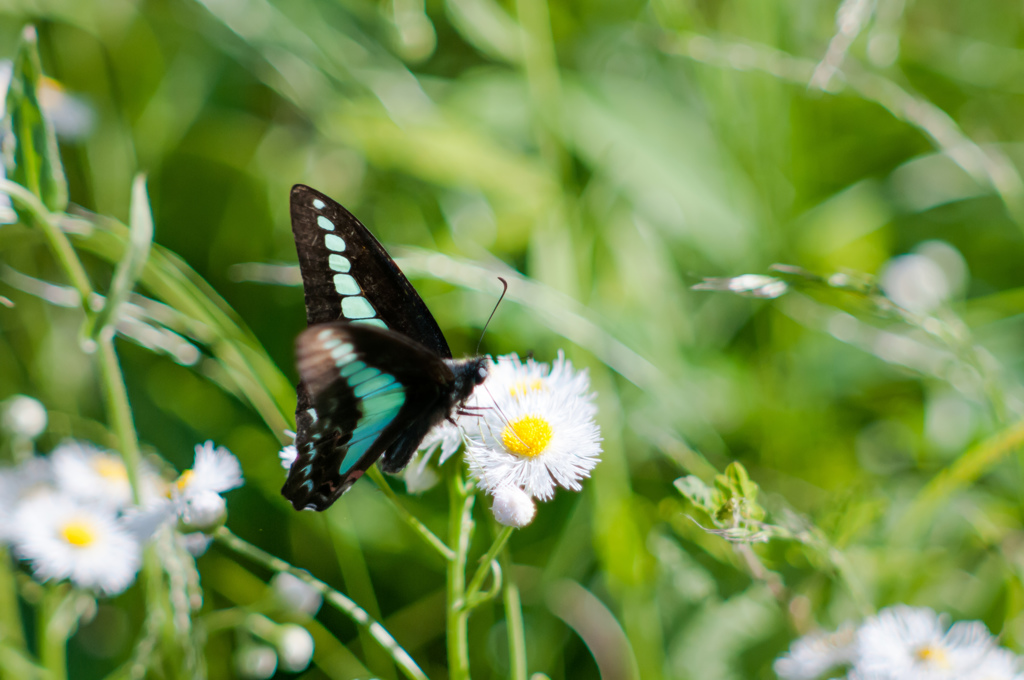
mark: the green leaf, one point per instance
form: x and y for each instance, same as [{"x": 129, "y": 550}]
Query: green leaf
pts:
[
  {"x": 129, "y": 268},
  {"x": 30, "y": 153},
  {"x": 698, "y": 493}
]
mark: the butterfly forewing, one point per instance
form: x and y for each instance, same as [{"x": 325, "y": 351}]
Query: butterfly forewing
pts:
[{"x": 348, "y": 276}]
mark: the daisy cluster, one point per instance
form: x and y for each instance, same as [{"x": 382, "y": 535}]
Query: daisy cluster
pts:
[
  {"x": 71, "y": 515},
  {"x": 902, "y": 643}
]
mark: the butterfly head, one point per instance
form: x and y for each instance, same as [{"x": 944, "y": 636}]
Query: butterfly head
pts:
[{"x": 469, "y": 373}]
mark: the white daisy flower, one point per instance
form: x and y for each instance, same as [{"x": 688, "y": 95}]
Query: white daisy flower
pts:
[
  {"x": 196, "y": 493},
  {"x": 513, "y": 507},
  {"x": 535, "y": 429},
  {"x": 913, "y": 643},
  {"x": 82, "y": 543},
  {"x": 215, "y": 469},
  {"x": 813, "y": 654},
  {"x": 91, "y": 474}
]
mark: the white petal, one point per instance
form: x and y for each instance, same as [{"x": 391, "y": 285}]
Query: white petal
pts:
[{"x": 215, "y": 469}]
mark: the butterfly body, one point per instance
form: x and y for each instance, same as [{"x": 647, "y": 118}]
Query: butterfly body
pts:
[{"x": 376, "y": 372}]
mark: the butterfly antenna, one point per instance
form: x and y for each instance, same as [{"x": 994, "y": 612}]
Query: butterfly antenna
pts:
[{"x": 504, "y": 290}]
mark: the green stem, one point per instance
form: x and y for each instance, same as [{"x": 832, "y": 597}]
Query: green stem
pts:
[
  {"x": 53, "y": 646},
  {"x": 488, "y": 563},
  {"x": 119, "y": 410},
  {"x": 417, "y": 526},
  {"x": 460, "y": 534},
  {"x": 332, "y": 596},
  {"x": 11, "y": 631},
  {"x": 513, "y": 622}
]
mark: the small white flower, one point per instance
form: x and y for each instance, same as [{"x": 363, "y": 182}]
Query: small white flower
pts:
[
  {"x": 535, "y": 429},
  {"x": 91, "y": 474},
  {"x": 215, "y": 469},
  {"x": 513, "y": 507},
  {"x": 295, "y": 594},
  {"x": 84, "y": 544},
  {"x": 295, "y": 648},
  {"x": 24, "y": 417},
  {"x": 913, "y": 642},
  {"x": 196, "y": 496},
  {"x": 813, "y": 654}
]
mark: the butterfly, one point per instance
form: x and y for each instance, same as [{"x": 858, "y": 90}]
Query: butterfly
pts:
[{"x": 376, "y": 372}]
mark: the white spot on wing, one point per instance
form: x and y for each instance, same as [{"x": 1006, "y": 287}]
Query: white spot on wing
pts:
[{"x": 356, "y": 307}]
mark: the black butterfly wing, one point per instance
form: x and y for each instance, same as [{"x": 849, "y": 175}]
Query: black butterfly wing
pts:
[
  {"x": 348, "y": 276},
  {"x": 368, "y": 388}
]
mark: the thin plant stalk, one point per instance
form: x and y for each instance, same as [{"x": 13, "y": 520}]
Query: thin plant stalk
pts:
[
  {"x": 358, "y": 615},
  {"x": 52, "y": 645},
  {"x": 513, "y": 621},
  {"x": 487, "y": 563},
  {"x": 460, "y": 534},
  {"x": 418, "y": 527}
]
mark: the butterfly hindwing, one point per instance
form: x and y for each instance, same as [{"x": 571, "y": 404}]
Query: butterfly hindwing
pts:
[
  {"x": 369, "y": 387},
  {"x": 348, "y": 276}
]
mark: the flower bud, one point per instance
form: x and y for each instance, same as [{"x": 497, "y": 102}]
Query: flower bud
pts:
[
  {"x": 513, "y": 507},
  {"x": 295, "y": 647},
  {"x": 24, "y": 417}
]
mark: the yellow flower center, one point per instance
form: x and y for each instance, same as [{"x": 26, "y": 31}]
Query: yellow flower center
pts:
[
  {"x": 110, "y": 469},
  {"x": 933, "y": 656},
  {"x": 184, "y": 480},
  {"x": 524, "y": 387},
  {"x": 79, "y": 533},
  {"x": 527, "y": 436}
]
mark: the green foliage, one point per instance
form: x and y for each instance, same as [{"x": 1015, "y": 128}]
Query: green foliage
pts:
[
  {"x": 837, "y": 448},
  {"x": 30, "y": 145},
  {"x": 732, "y": 501}
]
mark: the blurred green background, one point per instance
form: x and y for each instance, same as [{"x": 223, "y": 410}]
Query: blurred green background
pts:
[{"x": 613, "y": 154}]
